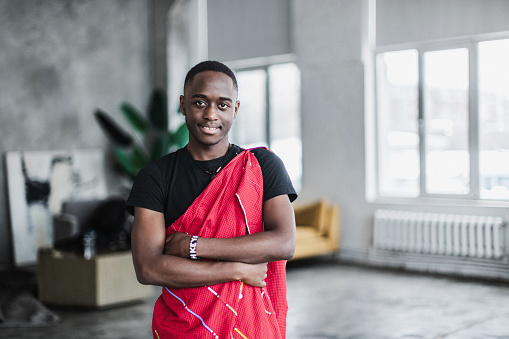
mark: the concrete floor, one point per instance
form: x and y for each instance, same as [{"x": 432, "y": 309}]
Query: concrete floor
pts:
[{"x": 329, "y": 300}]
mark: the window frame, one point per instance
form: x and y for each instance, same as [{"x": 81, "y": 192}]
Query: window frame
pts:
[
  {"x": 264, "y": 63},
  {"x": 471, "y": 44}
]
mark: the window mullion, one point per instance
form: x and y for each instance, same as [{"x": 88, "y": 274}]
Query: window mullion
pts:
[
  {"x": 474, "y": 122},
  {"x": 422, "y": 128},
  {"x": 267, "y": 108}
]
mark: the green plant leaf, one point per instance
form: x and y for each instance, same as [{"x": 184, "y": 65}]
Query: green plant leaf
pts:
[
  {"x": 157, "y": 140},
  {"x": 180, "y": 137},
  {"x": 134, "y": 117},
  {"x": 158, "y": 109},
  {"x": 124, "y": 161},
  {"x": 139, "y": 157},
  {"x": 113, "y": 131},
  {"x": 160, "y": 146}
]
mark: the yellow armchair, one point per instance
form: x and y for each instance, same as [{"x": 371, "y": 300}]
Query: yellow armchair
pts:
[{"x": 318, "y": 229}]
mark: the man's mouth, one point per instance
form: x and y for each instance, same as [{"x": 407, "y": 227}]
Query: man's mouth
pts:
[{"x": 209, "y": 129}]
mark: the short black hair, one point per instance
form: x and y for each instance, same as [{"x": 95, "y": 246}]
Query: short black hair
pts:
[{"x": 210, "y": 65}]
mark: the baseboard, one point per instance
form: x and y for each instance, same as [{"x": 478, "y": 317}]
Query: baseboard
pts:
[
  {"x": 477, "y": 268},
  {"x": 442, "y": 264}
]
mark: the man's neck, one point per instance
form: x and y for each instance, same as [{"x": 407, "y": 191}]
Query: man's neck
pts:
[{"x": 204, "y": 153}]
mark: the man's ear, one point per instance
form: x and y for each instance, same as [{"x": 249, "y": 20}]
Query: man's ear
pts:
[
  {"x": 237, "y": 105},
  {"x": 182, "y": 105}
]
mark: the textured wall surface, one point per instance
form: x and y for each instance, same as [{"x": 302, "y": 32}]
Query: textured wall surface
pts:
[
  {"x": 59, "y": 60},
  {"x": 253, "y": 29},
  {"x": 438, "y": 19},
  {"x": 333, "y": 104}
]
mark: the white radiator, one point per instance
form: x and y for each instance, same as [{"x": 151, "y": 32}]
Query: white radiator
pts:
[{"x": 441, "y": 234}]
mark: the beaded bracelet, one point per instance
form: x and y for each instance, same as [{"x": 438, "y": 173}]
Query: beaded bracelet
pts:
[{"x": 192, "y": 247}]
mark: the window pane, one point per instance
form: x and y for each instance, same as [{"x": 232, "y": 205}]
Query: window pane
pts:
[
  {"x": 249, "y": 126},
  {"x": 494, "y": 119},
  {"x": 446, "y": 121},
  {"x": 285, "y": 140},
  {"x": 397, "y": 106}
]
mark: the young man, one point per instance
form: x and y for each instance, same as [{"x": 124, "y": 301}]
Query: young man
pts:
[{"x": 214, "y": 224}]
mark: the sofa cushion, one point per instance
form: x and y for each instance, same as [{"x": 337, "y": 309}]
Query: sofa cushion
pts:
[
  {"x": 313, "y": 214},
  {"x": 307, "y": 232}
]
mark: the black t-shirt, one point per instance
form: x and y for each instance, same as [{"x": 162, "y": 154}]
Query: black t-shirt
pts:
[{"x": 170, "y": 184}]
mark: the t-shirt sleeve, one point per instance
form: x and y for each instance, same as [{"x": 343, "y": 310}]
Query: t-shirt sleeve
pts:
[
  {"x": 147, "y": 190},
  {"x": 276, "y": 180}
]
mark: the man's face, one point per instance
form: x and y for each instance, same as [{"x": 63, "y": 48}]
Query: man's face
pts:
[{"x": 209, "y": 104}]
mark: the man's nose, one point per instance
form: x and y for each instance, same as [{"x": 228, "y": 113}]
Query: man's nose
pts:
[{"x": 211, "y": 113}]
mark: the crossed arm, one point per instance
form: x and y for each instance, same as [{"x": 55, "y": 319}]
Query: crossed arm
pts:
[{"x": 241, "y": 258}]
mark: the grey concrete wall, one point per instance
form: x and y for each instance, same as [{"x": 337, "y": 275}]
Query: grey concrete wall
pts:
[
  {"x": 438, "y": 19},
  {"x": 328, "y": 45},
  {"x": 248, "y": 29},
  {"x": 59, "y": 60}
]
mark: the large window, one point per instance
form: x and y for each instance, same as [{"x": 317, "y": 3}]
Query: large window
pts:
[
  {"x": 443, "y": 120},
  {"x": 269, "y": 113}
]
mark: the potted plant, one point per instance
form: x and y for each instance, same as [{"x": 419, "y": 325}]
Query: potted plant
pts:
[{"x": 150, "y": 137}]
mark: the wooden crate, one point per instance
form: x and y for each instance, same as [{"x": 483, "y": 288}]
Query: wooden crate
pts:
[{"x": 105, "y": 280}]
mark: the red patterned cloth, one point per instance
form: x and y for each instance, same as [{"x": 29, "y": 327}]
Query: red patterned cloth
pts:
[{"x": 230, "y": 206}]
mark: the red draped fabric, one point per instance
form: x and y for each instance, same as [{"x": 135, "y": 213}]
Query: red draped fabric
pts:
[{"x": 230, "y": 206}]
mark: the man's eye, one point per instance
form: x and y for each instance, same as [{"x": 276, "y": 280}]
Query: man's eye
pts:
[
  {"x": 199, "y": 103},
  {"x": 223, "y": 105}
]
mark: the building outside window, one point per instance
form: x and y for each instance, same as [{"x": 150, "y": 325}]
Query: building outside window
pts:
[
  {"x": 443, "y": 120},
  {"x": 269, "y": 113}
]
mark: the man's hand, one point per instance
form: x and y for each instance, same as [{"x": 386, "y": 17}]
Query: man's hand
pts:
[
  {"x": 177, "y": 244},
  {"x": 254, "y": 274}
]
